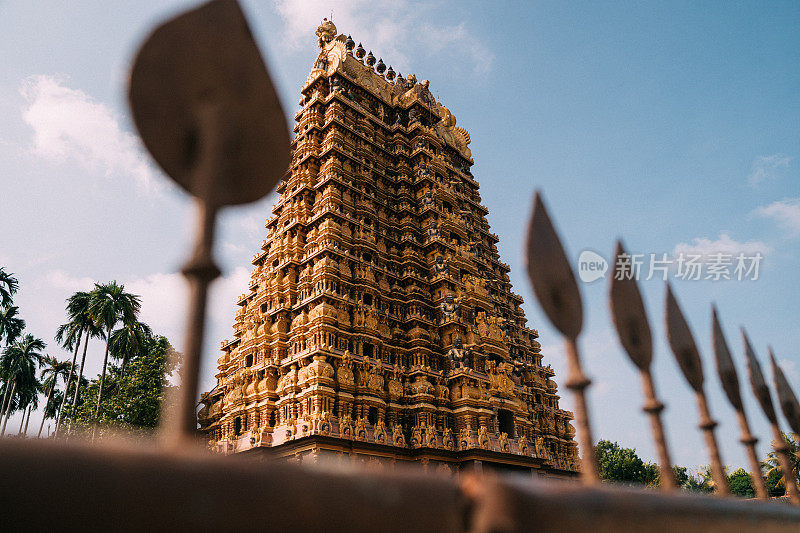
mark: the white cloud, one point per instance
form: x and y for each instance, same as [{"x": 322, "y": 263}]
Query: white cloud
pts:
[
  {"x": 458, "y": 38},
  {"x": 388, "y": 27},
  {"x": 253, "y": 225},
  {"x": 234, "y": 249},
  {"x": 785, "y": 213},
  {"x": 767, "y": 167},
  {"x": 163, "y": 297},
  {"x": 69, "y": 124},
  {"x": 59, "y": 279},
  {"x": 724, "y": 245}
]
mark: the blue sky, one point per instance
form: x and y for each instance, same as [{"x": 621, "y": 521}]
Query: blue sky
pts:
[{"x": 672, "y": 125}]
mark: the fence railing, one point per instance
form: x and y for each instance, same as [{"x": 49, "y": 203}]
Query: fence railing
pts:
[
  {"x": 214, "y": 124},
  {"x": 558, "y": 293}
]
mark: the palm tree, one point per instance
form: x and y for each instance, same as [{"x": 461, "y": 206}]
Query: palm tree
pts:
[
  {"x": 91, "y": 331},
  {"x": 8, "y": 286},
  {"x": 30, "y": 401},
  {"x": 772, "y": 466},
  {"x": 52, "y": 370},
  {"x": 18, "y": 365},
  {"x": 69, "y": 336},
  {"x": 110, "y": 304},
  {"x": 128, "y": 341},
  {"x": 704, "y": 480},
  {"x": 11, "y": 325}
]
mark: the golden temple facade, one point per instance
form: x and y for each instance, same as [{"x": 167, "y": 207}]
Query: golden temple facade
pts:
[{"x": 379, "y": 322}]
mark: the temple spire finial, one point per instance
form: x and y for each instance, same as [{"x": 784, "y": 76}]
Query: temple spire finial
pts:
[{"x": 326, "y": 32}]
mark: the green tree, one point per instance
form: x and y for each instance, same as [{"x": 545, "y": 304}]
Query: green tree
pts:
[
  {"x": 741, "y": 483},
  {"x": 18, "y": 364},
  {"x": 8, "y": 287},
  {"x": 127, "y": 341},
  {"x": 50, "y": 374},
  {"x": 11, "y": 325},
  {"x": 776, "y": 481},
  {"x": 29, "y": 401},
  {"x": 80, "y": 323},
  {"x": 681, "y": 476},
  {"x": 702, "y": 481},
  {"x": 109, "y": 305},
  {"x": 139, "y": 393},
  {"x": 775, "y": 485},
  {"x": 622, "y": 465}
]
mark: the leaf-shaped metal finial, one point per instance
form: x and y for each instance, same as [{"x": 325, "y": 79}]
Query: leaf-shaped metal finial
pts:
[
  {"x": 682, "y": 343},
  {"x": 555, "y": 288},
  {"x": 786, "y": 396},
  {"x": 206, "y": 108},
  {"x": 207, "y": 111},
  {"x": 633, "y": 328},
  {"x": 761, "y": 391},
  {"x": 630, "y": 317},
  {"x": 757, "y": 382},
  {"x": 725, "y": 367},
  {"x": 685, "y": 350},
  {"x": 730, "y": 384},
  {"x": 764, "y": 398},
  {"x": 551, "y": 274}
]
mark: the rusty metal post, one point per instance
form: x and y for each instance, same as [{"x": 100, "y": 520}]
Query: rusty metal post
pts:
[
  {"x": 730, "y": 384},
  {"x": 653, "y": 408},
  {"x": 577, "y": 382},
  {"x": 179, "y": 420},
  {"x": 786, "y": 397},
  {"x": 557, "y": 291},
  {"x": 685, "y": 350},
  {"x": 633, "y": 329},
  {"x": 207, "y": 111},
  {"x": 787, "y": 400},
  {"x": 762, "y": 394}
]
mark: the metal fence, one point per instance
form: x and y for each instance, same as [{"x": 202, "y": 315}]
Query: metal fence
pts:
[{"x": 214, "y": 124}]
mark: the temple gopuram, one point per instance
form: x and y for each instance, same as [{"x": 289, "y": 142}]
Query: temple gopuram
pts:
[{"x": 379, "y": 323}]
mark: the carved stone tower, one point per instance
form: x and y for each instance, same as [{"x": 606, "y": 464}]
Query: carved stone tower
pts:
[{"x": 379, "y": 322}]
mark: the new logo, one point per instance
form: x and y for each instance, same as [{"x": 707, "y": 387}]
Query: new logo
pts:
[{"x": 591, "y": 266}]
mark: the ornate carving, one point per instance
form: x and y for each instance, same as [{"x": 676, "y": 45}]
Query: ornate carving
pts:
[
  {"x": 464, "y": 439},
  {"x": 360, "y": 431},
  {"x": 458, "y": 355},
  {"x": 447, "y": 439},
  {"x": 502, "y": 442},
  {"x": 379, "y": 434},
  {"x": 346, "y": 427},
  {"x": 451, "y": 308},
  {"x": 523, "y": 445},
  {"x": 344, "y": 374},
  {"x": 326, "y": 32},
  {"x": 430, "y": 437},
  {"x": 350, "y": 262},
  {"x": 416, "y": 436},
  {"x": 397, "y": 435},
  {"x": 483, "y": 438}
]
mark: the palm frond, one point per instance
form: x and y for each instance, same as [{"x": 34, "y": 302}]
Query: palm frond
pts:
[
  {"x": 9, "y": 285},
  {"x": 11, "y": 325}
]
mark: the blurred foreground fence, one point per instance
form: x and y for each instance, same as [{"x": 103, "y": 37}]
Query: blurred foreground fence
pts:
[
  {"x": 206, "y": 109},
  {"x": 48, "y": 486}
]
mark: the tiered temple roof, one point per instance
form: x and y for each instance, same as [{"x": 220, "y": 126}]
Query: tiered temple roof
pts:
[{"x": 379, "y": 322}]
